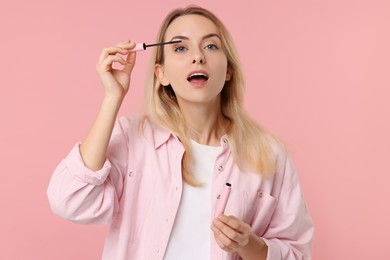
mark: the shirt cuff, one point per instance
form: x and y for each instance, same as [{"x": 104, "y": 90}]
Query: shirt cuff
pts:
[
  {"x": 273, "y": 249},
  {"x": 79, "y": 171}
]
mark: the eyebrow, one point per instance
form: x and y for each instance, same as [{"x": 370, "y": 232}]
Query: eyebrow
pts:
[{"x": 210, "y": 35}]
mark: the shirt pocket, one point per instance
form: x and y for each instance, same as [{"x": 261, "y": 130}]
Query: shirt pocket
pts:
[
  {"x": 255, "y": 208},
  {"x": 263, "y": 208}
]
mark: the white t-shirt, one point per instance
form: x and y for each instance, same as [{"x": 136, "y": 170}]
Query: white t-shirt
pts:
[{"x": 190, "y": 237}]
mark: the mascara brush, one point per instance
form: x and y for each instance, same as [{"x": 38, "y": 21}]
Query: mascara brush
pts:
[{"x": 143, "y": 46}]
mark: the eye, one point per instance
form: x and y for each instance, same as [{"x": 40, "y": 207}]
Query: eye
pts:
[
  {"x": 180, "y": 49},
  {"x": 211, "y": 47}
]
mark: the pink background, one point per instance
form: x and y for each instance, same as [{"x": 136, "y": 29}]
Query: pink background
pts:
[{"x": 318, "y": 75}]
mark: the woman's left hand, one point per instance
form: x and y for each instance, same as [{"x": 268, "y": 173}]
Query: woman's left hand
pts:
[{"x": 231, "y": 233}]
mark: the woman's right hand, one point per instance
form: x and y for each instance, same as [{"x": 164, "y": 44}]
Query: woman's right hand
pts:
[{"x": 116, "y": 82}]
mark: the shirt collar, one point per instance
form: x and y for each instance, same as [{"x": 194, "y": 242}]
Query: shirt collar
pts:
[{"x": 161, "y": 136}]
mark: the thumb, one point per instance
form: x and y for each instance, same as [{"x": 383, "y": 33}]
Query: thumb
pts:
[{"x": 130, "y": 60}]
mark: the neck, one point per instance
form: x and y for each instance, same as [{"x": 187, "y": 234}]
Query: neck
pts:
[{"x": 206, "y": 122}]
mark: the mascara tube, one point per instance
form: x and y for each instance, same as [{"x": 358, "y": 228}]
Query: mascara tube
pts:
[
  {"x": 139, "y": 47},
  {"x": 223, "y": 200}
]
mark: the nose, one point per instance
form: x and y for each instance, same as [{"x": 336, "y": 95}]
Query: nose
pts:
[{"x": 199, "y": 59}]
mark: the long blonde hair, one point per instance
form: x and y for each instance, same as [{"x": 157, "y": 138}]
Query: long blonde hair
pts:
[{"x": 251, "y": 145}]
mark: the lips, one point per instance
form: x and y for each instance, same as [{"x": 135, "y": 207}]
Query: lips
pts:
[{"x": 198, "y": 75}]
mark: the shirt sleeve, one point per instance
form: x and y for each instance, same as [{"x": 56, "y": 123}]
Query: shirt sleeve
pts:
[
  {"x": 81, "y": 195},
  {"x": 290, "y": 232}
]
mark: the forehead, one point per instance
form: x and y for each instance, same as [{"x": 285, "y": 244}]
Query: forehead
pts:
[{"x": 192, "y": 26}]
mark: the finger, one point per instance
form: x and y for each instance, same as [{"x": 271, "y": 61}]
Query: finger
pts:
[
  {"x": 112, "y": 51},
  {"x": 233, "y": 222},
  {"x": 130, "y": 62},
  {"x": 127, "y": 45},
  {"x": 131, "y": 57},
  {"x": 106, "y": 64},
  {"x": 221, "y": 240},
  {"x": 229, "y": 232},
  {"x": 223, "y": 247},
  {"x": 239, "y": 226},
  {"x": 123, "y": 42}
]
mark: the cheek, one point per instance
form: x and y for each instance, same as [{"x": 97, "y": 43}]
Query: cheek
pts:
[
  {"x": 222, "y": 63},
  {"x": 174, "y": 71},
  {"x": 222, "y": 71}
]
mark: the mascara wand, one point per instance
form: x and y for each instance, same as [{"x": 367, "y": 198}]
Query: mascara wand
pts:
[{"x": 143, "y": 46}]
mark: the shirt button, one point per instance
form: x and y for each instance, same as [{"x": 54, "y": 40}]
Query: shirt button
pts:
[
  {"x": 220, "y": 168},
  {"x": 224, "y": 140},
  {"x": 131, "y": 174},
  {"x": 218, "y": 196}
]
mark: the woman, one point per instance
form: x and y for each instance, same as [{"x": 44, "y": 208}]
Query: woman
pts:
[{"x": 157, "y": 179}]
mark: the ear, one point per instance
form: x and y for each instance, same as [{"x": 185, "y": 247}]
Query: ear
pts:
[
  {"x": 228, "y": 73},
  {"x": 160, "y": 74}
]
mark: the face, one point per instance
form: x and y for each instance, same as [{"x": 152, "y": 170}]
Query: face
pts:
[{"x": 197, "y": 67}]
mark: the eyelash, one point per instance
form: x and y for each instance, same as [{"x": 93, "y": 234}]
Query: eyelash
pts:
[
  {"x": 208, "y": 46},
  {"x": 212, "y": 46},
  {"x": 180, "y": 49}
]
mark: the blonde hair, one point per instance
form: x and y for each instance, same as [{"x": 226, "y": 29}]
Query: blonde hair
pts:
[{"x": 251, "y": 145}]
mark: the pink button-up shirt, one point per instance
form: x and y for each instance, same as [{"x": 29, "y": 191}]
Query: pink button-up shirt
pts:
[{"x": 138, "y": 192}]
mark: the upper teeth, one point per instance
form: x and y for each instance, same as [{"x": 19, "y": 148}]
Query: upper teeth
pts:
[{"x": 198, "y": 74}]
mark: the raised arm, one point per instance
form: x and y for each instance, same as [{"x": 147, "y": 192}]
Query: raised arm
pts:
[
  {"x": 78, "y": 190},
  {"x": 116, "y": 85}
]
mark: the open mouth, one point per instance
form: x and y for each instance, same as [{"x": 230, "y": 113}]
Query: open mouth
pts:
[{"x": 198, "y": 76}]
